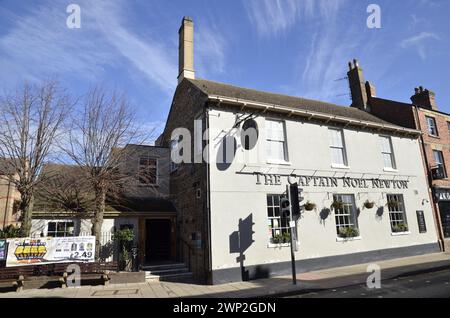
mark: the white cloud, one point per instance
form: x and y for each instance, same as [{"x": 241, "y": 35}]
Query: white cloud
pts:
[
  {"x": 210, "y": 50},
  {"x": 271, "y": 17},
  {"x": 419, "y": 43},
  {"x": 39, "y": 45}
]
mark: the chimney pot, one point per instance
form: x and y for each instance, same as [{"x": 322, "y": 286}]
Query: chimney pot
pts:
[
  {"x": 355, "y": 61},
  {"x": 350, "y": 65}
]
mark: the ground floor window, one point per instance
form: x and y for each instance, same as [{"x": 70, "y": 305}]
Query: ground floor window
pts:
[
  {"x": 60, "y": 229},
  {"x": 345, "y": 215},
  {"x": 397, "y": 214},
  {"x": 279, "y": 231}
]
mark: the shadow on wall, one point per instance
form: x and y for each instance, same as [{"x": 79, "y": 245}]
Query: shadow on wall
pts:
[
  {"x": 240, "y": 241},
  {"x": 226, "y": 153}
]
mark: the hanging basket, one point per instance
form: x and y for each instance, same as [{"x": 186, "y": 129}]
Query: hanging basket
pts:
[
  {"x": 309, "y": 206},
  {"x": 337, "y": 205},
  {"x": 369, "y": 204}
]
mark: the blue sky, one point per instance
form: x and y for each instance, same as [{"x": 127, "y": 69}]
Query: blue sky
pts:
[{"x": 296, "y": 47}]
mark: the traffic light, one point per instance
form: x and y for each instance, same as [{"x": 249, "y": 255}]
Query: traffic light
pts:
[
  {"x": 285, "y": 207},
  {"x": 296, "y": 199}
]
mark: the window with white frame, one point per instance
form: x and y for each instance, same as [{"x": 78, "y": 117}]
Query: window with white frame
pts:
[
  {"x": 439, "y": 161},
  {"x": 276, "y": 141},
  {"x": 345, "y": 214},
  {"x": 337, "y": 147},
  {"x": 397, "y": 214},
  {"x": 387, "y": 152},
  {"x": 278, "y": 224},
  {"x": 60, "y": 229},
  {"x": 148, "y": 171},
  {"x": 432, "y": 128}
]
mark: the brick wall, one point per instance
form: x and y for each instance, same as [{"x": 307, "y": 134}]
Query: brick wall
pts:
[
  {"x": 394, "y": 112},
  {"x": 188, "y": 181},
  {"x": 8, "y": 194}
]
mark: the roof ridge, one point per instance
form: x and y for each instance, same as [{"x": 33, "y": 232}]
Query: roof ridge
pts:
[{"x": 268, "y": 92}]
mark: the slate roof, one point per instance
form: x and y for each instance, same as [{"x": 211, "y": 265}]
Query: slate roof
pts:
[{"x": 230, "y": 91}]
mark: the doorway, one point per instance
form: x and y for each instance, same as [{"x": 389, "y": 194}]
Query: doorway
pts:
[{"x": 158, "y": 240}]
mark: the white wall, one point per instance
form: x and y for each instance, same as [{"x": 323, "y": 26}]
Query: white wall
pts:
[{"x": 235, "y": 196}]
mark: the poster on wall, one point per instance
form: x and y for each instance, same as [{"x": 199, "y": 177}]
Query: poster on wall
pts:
[
  {"x": 3, "y": 250},
  {"x": 49, "y": 250}
]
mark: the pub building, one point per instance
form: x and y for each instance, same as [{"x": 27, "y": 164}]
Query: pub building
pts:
[
  {"x": 365, "y": 190},
  {"x": 362, "y": 177},
  {"x": 422, "y": 114}
]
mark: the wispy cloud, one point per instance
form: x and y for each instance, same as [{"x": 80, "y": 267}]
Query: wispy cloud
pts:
[
  {"x": 39, "y": 44},
  {"x": 270, "y": 17},
  {"x": 211, "y": 50},
  {"x": 419, "y": 42},
  {"x": 147, "y": 55}
]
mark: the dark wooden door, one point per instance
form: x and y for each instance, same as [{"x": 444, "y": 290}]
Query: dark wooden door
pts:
[{"x": 158, "y": 240}]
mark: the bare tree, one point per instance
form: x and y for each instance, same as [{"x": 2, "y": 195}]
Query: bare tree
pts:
[
  {"x": 105, "y": 125},
  {"x": 64, "y": 190},
  {"x": 30, "y": 124}
]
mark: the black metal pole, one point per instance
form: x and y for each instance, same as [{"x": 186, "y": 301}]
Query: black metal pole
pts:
[{"x": 294, "y": 274}]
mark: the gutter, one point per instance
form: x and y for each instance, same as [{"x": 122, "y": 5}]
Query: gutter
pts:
[{"x": 312, "y": 115}]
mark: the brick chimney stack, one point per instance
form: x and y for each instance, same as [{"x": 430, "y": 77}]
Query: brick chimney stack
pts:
[
  {"x": 361, "y": 90},
  {"x": 424, "y": 98},
  {"x": 186, "y": 50}
]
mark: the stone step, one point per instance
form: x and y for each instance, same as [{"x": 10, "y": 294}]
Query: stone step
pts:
[
  {"x": 170, "y": 271},
  {"x": 179, "y": 277},
  {"x": 162, "y": 267}
]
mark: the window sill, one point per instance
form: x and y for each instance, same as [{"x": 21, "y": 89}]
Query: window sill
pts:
[
  {"x": 279, "y": 163},
  {"x": 347, "y": 239},
  {"x": 390, "y": 170},
  {"x": 343, "y": 167},
  {"x": 273, "y": 245},
  {"x": 401, "y": 233},
  {"x": 434, "y": 136}
]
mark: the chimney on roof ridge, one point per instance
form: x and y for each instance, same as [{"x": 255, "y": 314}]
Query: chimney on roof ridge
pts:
[
  {"x": 361, "y": 90},
  {"x": 424, "y": 98},
  {"x": 186, "y": 50}
]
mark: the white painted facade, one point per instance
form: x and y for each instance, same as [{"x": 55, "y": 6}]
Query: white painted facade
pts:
[{"x": 235, "y": 194}]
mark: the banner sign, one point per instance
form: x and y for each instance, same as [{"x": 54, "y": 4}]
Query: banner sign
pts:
[
  {"x": 330, "y": 182},
  {"x": 3, "y": 250},
  {"x": 50, "y": 250}
]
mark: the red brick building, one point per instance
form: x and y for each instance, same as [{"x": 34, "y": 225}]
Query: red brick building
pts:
[{"x": 422, "y": 114}]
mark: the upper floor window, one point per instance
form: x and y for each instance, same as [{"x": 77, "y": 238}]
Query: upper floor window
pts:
[
  {"x": 448, "y": 125},
  {"x": 337, "y": 147},
  {"x": 432, "y": 128},
  {"x": 276, "y": 141},
  {"x": 387, "y": 152},
  {"x": 148, "y": 171},
  {"x": 60, "y": 229},
  {"x": 439, "y": 161}
]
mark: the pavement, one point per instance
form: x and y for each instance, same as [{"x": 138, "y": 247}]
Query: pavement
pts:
[{"x": 282, "y": 286}]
